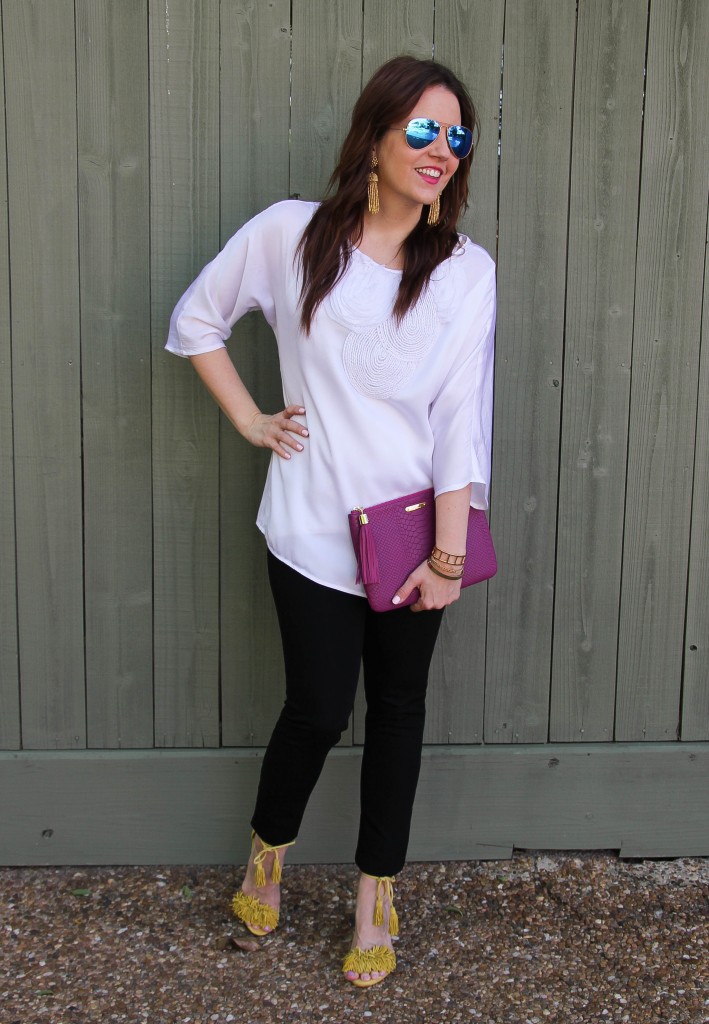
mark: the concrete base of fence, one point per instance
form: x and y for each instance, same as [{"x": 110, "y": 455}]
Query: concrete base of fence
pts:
[{"x": 180, "y": 807}]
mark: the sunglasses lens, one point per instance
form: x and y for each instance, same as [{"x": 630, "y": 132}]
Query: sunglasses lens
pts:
[
  {"x": 421, "y": 132},
  {"x": 460, "y": 140}
]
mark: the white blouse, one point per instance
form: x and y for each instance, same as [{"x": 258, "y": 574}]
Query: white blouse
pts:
[{"x": 390, "y": 408}]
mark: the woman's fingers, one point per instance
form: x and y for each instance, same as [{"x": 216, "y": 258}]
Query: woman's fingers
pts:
[
  {"x": 433, "y": 591},
  {"x": 280, "y": 432}
]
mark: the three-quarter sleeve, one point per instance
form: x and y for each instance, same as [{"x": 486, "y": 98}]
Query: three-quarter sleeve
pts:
[
  {"x": 461, "y": 414},
  {"x": 243, "y": 277}
]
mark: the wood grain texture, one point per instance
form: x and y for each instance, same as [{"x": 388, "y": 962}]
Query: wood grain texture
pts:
[
  {"x": 41, "y": 151},
  {"x": 671, "y": 245},
  {"x": 695, "y": 693},
  {"x": 255, "y": 116},
  {"x": 184, "y": 119},
  {"x": 326, "y": 79},
  {"x": 112, "y": 102},
  {"x": 534, "y": 177},
  {"x": 643, "y": 800},
  {"x": 456, "y": 685},
  {"x": 9, "y": 667},
  {"x": 607, "y": 128},
  {"x": 469, "y": 40},
  {"x": 393, "y": 28}
]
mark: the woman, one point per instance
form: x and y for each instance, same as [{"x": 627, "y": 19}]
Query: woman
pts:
[{"x": 384, "y": 318}]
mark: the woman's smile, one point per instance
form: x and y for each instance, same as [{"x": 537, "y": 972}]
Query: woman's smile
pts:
[{"x": 430, "y": 175}]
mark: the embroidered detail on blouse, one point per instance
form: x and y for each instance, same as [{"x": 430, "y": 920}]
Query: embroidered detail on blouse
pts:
[
  {"x": 365, "y": 294},
  {"x": 379, "y": 361}
]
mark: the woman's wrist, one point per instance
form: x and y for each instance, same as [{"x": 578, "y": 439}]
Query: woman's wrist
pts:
[{"x": 452, "y": 575}]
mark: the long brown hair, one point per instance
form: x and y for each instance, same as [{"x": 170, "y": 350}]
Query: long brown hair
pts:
[{"x": 337, "y": 224}]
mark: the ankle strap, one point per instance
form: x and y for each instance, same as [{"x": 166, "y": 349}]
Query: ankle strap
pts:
[
  {"x": 385, "y": 887},
  {"x": 266, "y": 848}
]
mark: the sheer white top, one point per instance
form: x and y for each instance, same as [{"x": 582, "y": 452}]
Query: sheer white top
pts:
[{"x": 390, "y": 408}]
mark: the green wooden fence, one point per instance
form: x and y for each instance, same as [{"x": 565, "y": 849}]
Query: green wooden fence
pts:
[{"x": 139, "y": 661}]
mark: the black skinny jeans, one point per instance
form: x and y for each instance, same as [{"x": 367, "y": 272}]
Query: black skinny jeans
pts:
[{"x": 325, "y": 635}]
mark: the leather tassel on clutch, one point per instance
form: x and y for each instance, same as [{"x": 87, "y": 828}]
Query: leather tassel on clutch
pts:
[{"x": 367, "y": 563}]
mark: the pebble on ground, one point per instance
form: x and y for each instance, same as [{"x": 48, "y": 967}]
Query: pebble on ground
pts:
[{"x": 567, "y": 938}]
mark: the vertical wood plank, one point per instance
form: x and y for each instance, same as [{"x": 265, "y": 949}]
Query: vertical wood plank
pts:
[
  {"x": 469, "y": 40},
  {"x": 534, "y": 175},
  {"x": 608, "y": 98},
  {"x": 695, "y": 697},
  {"x": 325, "y": 84},
  {"x": 255, "y": 114},
  {"x": 671, "y": 243},
  {"x": 112, "y": 104},
  {"x": 184, "y": 202},
  {"x": 41, "y": 139},
  {"x": 9, "y": 668},
  {"x": 390, "y": 29}
]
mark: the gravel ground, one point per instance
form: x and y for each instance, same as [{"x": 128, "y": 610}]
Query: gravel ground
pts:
[{"x": 569, "y": 938}]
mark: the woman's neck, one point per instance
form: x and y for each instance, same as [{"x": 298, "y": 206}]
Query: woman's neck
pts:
[{"x": 384, "y": 234}]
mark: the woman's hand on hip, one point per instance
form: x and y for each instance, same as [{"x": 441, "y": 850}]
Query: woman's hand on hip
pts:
[
  {"x": 279, "y": 432},
  {"x": 434, "y": 592}
]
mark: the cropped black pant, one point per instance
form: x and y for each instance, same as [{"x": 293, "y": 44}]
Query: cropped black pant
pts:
[{"x": 326, "y": 634}]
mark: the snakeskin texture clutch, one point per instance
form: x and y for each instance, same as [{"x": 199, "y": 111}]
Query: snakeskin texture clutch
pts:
[{"x": 392, "y": 538}]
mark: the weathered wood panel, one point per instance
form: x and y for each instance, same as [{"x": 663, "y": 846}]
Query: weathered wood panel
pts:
[
  {"x": 469, "y": 39},
  {"x": 391, "y": 28},
  {"x": 608, "y": 102},
  {"x": 671, "y": 244},
  {"x": 325, "y": 83},
  {"x": 184, "y": 119},
  {"x": 534, "y": 177},
  {"x": 255, "y": 86},
  {"x": 41, "y": 156},
  {"x": 695, "y": 695},
  {"x": 112, "y": 103},
  {"x": 9, "y": 669},
  {"x": 640, "y": 799}
]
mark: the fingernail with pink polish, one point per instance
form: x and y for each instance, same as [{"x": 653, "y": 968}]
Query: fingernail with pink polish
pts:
[{"x": 395, "y": 600}]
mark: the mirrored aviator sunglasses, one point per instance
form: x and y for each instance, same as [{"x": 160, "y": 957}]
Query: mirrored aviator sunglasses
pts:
[{"x": 422, "y": 131}]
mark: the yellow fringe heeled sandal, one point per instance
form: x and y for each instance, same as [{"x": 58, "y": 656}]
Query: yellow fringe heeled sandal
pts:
[
  {"x": 258, "y": 917},
  {"x": 379, "y": 959}
]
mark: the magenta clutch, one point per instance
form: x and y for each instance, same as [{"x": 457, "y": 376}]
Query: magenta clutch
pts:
[{"x": 393, "y": 538}]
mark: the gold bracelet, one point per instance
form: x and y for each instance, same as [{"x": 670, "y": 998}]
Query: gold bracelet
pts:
[
  {"x": 446, "y": 559},
  {"x": 444, "y": 575},
  {"x": 446, "y": 566}
]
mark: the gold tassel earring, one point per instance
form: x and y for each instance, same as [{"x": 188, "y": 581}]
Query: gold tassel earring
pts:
[
  {"x": 434, "y": 211},
  {"x": 373, "y": 187}
]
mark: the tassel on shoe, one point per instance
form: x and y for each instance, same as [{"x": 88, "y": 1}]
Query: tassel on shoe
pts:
[
  {"x": 379, "y": 959},
  {"x": 266, "y": 848},
  {"x": 260, "y": 918},
  {"x": 385, "y": 887}
]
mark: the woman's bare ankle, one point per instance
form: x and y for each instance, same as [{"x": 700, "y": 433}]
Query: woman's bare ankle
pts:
[
  {"x": 270, "y": 893},
  {"x": 366, "y": 933}
]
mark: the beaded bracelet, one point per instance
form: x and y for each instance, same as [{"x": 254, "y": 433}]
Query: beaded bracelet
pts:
[{"x": 444, "y": 575}]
